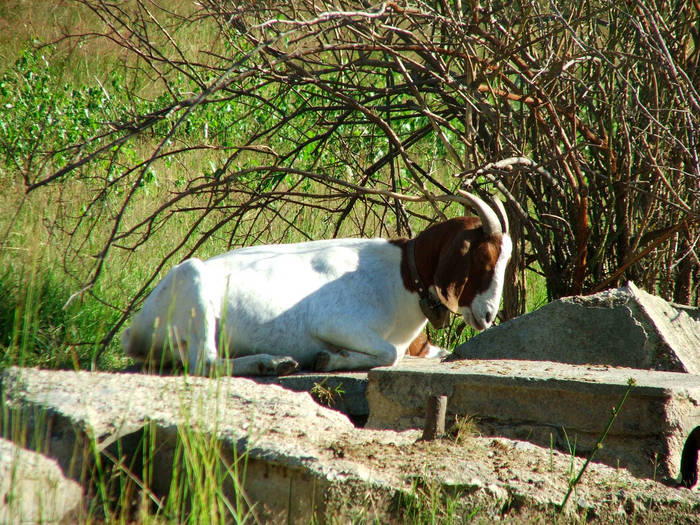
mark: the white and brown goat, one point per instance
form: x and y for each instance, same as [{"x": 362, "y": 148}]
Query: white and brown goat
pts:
[{"x": 340, "y": 304}]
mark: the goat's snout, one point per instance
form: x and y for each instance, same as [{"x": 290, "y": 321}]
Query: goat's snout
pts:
[
  {"x": 480, "y": 314},
  {"x": 473, "y": 319},
  {"x": 487, "y": 319},
  {"x": 481, "y": 323}
]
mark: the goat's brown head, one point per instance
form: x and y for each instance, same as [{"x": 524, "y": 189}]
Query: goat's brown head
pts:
[{"x": 465, "y": 260}]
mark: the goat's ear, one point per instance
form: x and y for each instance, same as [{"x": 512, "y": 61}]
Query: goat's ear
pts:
[{"x": 452, "y": 271}]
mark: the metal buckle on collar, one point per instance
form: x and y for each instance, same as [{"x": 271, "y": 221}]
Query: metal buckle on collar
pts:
[{"x": 436, "y": 312}]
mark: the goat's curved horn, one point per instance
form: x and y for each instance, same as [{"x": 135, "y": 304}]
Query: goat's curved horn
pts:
[
  {"x": 501, "y": 210},
  {"x": 489, "y": 220}
]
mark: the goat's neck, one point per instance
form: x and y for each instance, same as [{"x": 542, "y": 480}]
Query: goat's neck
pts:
[{"x": 428, "y": 248}]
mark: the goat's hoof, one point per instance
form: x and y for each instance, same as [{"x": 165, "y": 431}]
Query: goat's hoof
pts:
[
  {"x": 322, "y": 361},
  {"x": 287, "y": 366},
  {"x": 277, "y": 366}
]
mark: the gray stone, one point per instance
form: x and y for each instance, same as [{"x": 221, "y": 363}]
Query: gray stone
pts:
[
  {"x": 304, "y": 462},
  {"x": 624, "y": 327},
  {"x": 547, "y": 403},
  {"x": 342, "y": 391},
  {"x": 283, "y": 432},
  {"x": 33, "y": 488}
]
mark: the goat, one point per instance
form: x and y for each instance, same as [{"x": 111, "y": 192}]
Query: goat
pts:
[
  {"x": 340, "y": 304},
  {"x": 421, "y": 347}
]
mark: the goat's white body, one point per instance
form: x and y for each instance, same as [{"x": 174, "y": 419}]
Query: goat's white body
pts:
[{"x": 342, "y": 296}]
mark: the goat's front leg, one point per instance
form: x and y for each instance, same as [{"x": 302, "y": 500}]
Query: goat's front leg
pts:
[
  {"x": 257, "y": 365},
  {"x": 371, "y": 354},
  {"x": 421, "y": 347}
]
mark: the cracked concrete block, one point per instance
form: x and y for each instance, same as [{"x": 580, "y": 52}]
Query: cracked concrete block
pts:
[
  {"x": 624, "y": 327},
  {"x": 342, "y": 391},
  {"x": 71, "y": 414},
  {"x": 563, "y": 405},
  {"x": 304, "y": 462},
  {"x": 33, "y": 489}
]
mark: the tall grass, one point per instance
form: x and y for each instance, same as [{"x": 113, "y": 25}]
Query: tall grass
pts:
[
  {"x": 38, "y": 325},
  {"x": 54, "y": 95}
]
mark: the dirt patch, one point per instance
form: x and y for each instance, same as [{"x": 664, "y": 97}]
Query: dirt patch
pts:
[{"x": 513, "y": 480}]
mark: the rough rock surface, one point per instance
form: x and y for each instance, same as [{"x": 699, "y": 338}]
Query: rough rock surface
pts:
[
  {"x": 341, "y": 391},
  {"x": 33, "y": 488},
  {"x": 624, "y": 327},
  {"x": 305, "y": 460},
  {"x": 550, "y": 404}
]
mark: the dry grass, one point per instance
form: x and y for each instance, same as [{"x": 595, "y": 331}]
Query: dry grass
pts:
[
  {"x": 463, "y": 429},
  {"x": 46, "y": 21}
]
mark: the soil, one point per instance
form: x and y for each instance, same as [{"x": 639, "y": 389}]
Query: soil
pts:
[{"x": 489, "y": 479}]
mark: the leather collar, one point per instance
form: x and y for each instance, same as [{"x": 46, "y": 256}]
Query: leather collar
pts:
[{"x": 436, "y": 312}]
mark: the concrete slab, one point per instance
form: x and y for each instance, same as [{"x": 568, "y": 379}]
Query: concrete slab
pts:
[
  {"x": 562, "y": 405},
  {"x": 342, "y": 391},
  {"x": 304, "y": 462},
  {"x": 70, "y": 415},
  {"x": 34, "y": 490},
  {"x": 623, "y": 327}
]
